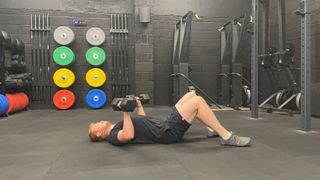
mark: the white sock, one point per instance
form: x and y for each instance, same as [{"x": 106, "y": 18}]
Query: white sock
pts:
[
  {"x": 227, "y": 136},
  {"x": 209, "y": 129}
]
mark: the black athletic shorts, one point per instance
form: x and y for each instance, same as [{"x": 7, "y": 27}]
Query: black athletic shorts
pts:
[{"x": 177, "y": 127}]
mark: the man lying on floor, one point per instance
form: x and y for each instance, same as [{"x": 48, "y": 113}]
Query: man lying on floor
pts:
[{"x": 139, "y": 129}]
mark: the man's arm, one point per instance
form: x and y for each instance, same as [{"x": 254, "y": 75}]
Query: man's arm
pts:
[
  {"x": 127, "y": 132},
  {"x": 139, "y": 108}
]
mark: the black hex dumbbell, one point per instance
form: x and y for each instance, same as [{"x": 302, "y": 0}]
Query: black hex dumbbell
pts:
[
  {"x": 114, "y": 104},
  {"x": 127, "y": 104},
  {"x": 144, "y": 98}
]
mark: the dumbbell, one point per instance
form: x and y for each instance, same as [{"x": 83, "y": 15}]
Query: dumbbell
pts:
[
  {"x": 128, "y": 104},
  {"x": 144, "y": 98},
  {"x": 114, "y": 104}
]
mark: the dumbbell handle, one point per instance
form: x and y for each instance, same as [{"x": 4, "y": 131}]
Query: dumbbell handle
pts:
[
  {"x": 119, "y": 103},
  {"x": 140, "y": 98}
]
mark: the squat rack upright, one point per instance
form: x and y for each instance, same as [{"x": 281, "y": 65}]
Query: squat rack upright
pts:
[{"x": 305, "y": 13}]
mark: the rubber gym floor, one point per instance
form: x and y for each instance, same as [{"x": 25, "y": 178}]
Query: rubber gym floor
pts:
[{"x": 50, "y": 144}]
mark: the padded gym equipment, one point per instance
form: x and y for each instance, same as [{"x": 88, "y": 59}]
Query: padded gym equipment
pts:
[
  {"x": 63, "y": 78},
  {"x": 63, "y": 56},
  {"x": 17, "y": 102},
  {"x": 95, "y": 56},
  {"x": 95, "y": 36},
  {"x": 63, "y": 35},
  {"x": 64, "y": 99},
  {"x": 95, "y": 77},
  {"x": 4, "y": 105},
  {"x": 96, "y": 98}
]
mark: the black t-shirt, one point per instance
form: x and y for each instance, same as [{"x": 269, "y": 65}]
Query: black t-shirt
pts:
[{"x": 146, "y": 130}]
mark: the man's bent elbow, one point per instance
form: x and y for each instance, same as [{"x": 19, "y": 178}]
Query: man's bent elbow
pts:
[{"x": 128, "y": 137}]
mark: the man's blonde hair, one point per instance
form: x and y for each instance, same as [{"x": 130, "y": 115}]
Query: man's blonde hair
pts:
[{"x": 93, "y": 137}]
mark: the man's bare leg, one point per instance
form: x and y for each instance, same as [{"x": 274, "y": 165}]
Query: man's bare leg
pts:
[
  {"x": 186, "y": 98},
  {"x": 197, "y": 107}
]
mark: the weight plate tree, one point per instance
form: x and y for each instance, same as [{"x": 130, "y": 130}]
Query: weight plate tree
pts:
[
  {"x": 64, "y": 99},
  {"x": 64, "y": 78},
  {"x": 95, "y": 36},
  {"x": 96, "y": 98},
  {"x": 63, "y": 35},
  {"x": 95, "y": 56},
  {"x": 63, "y": 56},
  {"x": 95, "y": 77}
]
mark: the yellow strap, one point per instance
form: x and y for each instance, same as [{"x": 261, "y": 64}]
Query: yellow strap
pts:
[
  {"x": 197, "y": 17},
  {"x": 220, "y": 29}
]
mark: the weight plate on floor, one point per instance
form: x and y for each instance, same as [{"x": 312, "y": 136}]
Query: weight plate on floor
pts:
[
  {"x": 298, "y": 101},
  {"x": 64, "y": 99},
  {"x": 96, "y": 98},
  {"x": 95, "y": 56},
  {"x": 4, "y": 104},
  {"x": 95, "y": 36},
  {"x": 95, "y": 77},
  {"x": 280, "y": 97},
  {"x": 63, "y": 35},
  {"x": 63, "y": 56},
  {"x": 63, "y": 78},
  {"x": 247, "y": 94}
]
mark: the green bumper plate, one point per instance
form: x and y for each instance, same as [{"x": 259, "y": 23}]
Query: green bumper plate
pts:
[
  {"x": 95, "y": 56},
  {"x": 63, "y": 56}
]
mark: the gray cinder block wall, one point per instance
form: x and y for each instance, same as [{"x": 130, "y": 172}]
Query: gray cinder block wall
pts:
[
  {"x": 204, "y": 46},
  {"x": 152, "y": 42},
  {"x": 144, "y": 76}
]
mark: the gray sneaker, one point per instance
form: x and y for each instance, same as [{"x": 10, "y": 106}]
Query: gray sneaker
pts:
[{"x": 235, "y": 140}]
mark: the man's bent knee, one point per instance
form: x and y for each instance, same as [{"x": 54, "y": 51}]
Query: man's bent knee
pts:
[
  {"x": 192, "y": 93},
  {"x": 198, "y": 99}
]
